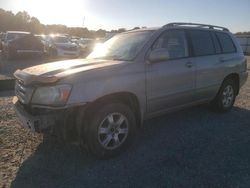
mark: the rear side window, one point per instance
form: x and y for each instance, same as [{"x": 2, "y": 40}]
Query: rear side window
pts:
[
  {"x": 202, "y": 43},
  {"x": 226, "y": 42}
]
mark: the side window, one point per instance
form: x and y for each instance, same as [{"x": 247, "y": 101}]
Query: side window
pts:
[
  {"x": 226, "y": 43},
  {"x": 202, "y": 43},
  {"x": 175, "y": 42}
]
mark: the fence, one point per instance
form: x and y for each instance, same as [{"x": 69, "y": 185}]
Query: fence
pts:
[{"x": 244, "y": 41}]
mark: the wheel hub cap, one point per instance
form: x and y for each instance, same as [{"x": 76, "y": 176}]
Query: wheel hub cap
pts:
[
  {"x": 113, "y": 131},
  {"x": 228, "y": 96}
]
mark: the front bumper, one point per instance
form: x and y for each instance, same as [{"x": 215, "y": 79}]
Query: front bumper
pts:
[{"x": 35, "y": 123}]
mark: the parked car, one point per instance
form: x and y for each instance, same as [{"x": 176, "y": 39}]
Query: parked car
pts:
[
  {"x": 74, "y": 39},
  {"x": 16, "y": 43},
  {"x": 244, "y": 41},
  {"x": 61, "y": 46},
  {"x": 86, "y": 46},
  {"x": 1, "y": 39},
  {"x": 101, "y": 101},
  {"x": 42, "y": 38}
]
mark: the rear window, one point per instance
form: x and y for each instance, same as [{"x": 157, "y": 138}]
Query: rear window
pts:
[
  {"x": 226, "y": 42},
  {"x": 13, "y": 36},
  {"x": 202, "y": 43}
]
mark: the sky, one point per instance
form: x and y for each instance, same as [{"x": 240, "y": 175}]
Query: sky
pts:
[{"x": 114, "y": 14}]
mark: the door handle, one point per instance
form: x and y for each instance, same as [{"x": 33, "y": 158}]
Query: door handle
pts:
[{"x": 189, "y": 64}]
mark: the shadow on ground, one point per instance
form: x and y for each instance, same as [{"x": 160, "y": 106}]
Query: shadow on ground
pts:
[{"x": 190, "y": 148}]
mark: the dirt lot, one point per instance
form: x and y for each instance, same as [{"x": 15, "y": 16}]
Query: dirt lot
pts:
[{"x": 191, "y": 148}]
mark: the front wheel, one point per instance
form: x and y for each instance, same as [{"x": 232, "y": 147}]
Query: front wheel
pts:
[
  {"x": 225, "y": 99},
  {"x": 109, "y": 130}
]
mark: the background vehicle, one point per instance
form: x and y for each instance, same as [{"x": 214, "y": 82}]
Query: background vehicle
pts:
[
  {"x": 74, "y": 39},
  {"x": 1, "y": 39},
  {"x": 61, "y": 46},
  {"x": 86, "y": 46},
  {"x": 42, "y": 38},
  {"x": 103, "y": 99},
  {"x": 16, "y": 43},
  {"x": 244, "y": 41}
]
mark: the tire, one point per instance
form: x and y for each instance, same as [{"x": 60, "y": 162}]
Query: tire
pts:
[
  {"x": 225, "y": 98},
  {"x": 110, "y": 129}
]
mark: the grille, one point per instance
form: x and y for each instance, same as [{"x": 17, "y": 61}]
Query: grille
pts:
[{"x": 23, "y": 93}]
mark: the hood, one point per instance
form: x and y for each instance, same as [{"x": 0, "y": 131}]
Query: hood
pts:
[{"x": 52, "y": 72}]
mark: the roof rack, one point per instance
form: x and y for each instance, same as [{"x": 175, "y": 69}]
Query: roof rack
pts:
[{"x": 175, "y": 24}]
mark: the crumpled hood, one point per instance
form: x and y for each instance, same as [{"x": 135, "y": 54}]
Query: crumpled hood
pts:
[{"x": 52, "y": 72}]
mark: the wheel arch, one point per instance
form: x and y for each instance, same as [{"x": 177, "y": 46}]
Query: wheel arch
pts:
[
  {"x": 236, "y": 78},
  {"x": 126, "y": 98}
]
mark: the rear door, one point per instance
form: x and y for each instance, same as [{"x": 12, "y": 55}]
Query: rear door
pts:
[
  {"x": 171, "y": 83},
  {"x": 229, "y": 54},
  {"x": 206, "y": 50}
]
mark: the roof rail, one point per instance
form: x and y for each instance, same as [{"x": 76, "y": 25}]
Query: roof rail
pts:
[{"x": 175, "y": 24}]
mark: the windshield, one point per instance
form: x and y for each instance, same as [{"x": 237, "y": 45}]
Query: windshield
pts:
[
  {"x": 122, "y": 47},
  {"x": 60, "y": 39},
  {"x": 13, "y": 36}
]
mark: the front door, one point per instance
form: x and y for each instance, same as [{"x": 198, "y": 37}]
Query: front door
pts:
[{"x": 170, "y": 83}]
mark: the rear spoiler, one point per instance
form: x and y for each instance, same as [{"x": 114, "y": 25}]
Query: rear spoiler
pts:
[{"x": 29, "y": 79}]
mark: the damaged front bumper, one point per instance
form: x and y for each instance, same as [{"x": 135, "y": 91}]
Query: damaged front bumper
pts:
[{"x": 35, "y": 123}]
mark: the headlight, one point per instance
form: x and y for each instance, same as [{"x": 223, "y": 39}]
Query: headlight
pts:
[{"x": 53, "y": 96}]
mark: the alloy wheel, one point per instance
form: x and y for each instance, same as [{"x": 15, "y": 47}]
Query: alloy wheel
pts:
[{"x": 113, "y": 131}]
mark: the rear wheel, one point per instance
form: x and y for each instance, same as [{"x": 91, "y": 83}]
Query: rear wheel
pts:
[
  {"x": 225, "y": 99},
  {"x": 109, "y": 130}
]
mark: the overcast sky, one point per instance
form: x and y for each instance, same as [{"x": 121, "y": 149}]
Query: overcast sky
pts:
[{"x": 113, "y": 14}]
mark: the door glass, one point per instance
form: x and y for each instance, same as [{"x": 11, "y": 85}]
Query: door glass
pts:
[
  {"x": 226, "y": 43},
  {"x": 202, "y": 43},
  {"x": 174, "y": 42}
]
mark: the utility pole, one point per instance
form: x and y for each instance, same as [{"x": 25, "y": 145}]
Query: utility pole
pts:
[{"x": 83, "y": 22}]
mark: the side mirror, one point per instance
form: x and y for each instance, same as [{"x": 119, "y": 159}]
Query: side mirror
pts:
[{"x": 157, "y": 55}]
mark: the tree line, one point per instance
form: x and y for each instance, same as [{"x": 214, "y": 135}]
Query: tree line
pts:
[
  {"x": 22, "y": 21},
  {"x": 243, "y": 33}
]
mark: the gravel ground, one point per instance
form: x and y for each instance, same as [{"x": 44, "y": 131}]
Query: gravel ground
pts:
[{"x": 191, "y": 148}]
